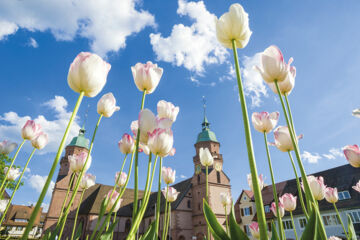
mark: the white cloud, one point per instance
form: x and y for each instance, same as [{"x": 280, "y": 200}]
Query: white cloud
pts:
[
  {"x": 310, "y": 158},
  {"x": 55, "y": 128},
  {"x": 45, "y": 206},
  {"x": 254, "y": 86},
  {"x": 37, "y": 182},
  {"x": 182, "y": 176},
  {"x": 191, "y": 46},
  {"x": 33, "y": 43},
  {"x": 334, "y": 153},
  {"x": 329, "y": 156},
  {"x": 106, "y": 23}
]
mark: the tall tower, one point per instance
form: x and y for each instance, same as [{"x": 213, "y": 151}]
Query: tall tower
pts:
[
  {"x": 218, "y": 181},
  {"x": 77, "y": 145}
]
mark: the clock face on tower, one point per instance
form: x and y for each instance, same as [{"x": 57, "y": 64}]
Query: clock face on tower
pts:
[
  {"x": 197, "y": 169},
  {"x": 218, "y": 167}
]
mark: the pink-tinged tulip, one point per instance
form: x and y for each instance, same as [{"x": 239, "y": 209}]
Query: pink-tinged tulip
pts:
[
  {"x": 13, "y": 174},
  {"x": 121, "y": 180},
  {"x": 225, "y": 199},
  {"x": 288, "y": 201},
  {"x": 261, "y": 182},
  {"x": 356, "y": 112},
  {"x": 352, "y": 154},
  {"x": 331, "y": 195},
  {"x": 134, "y": 126},
  {"x": 107, "y": 105},
  {"x": 206, "y": 158},
  {"x": 40, "y": 141},
  {"x": 283, "y": 140},
  {"x": 172, "y": 152},
  {"x": 254, "y": 229},
  {"x": 165, "y": 123},
  {"x": 168, "y": 175},
  {"x": 273, "y": 65},
  {"x": 264, "y": 122},
  {"x": 334, "y": 238},
  {"x": 317, "y": 187},
  {"x": 357, "y": 187},
  {"x": 77, "y": 161},
  {"x": 147, "y": 124},
  {"x": 111, "y": 199},
  {"x": 161, "y": 141},
  {"x": 126, "y": 144},
  {"x": 233, "y": 25},
  {"x": 7, "y": 147},
  {"x": 172, "y": 194},
  {"x": 287, "y": 85},
  {"x": 281, "y": 209},
  {"x": 30, "y": 130},
  {"x": 146, "y": 76},
  {"x": 3, "y": 204},
  {"x": 144, "y": 148},
  {"x": 167, "y": 110},
  {"x": 88, "y": 73},
  {"x": 87, "y": 181}
]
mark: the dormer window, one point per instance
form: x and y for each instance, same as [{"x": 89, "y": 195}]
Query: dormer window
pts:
[
  {"x": 344, "y": 195},
  {"x": 267, "y": 208}
]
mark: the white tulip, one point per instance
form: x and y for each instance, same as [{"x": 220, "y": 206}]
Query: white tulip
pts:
[
  {"x": 146, "y": 76},
  {"x": 77, "y": 161},
  {"x": 225, "y": 199},
  {"x": 172, "y": 194},
  {"x": 167, "y": 110},
  {"x": 87, "y": 181},
  {"x": 13, "y": 174},
  {"x": 264, "y": 122},
  {"x": 168, "y": 175},
  {"x": 7, "y": 147},
  {"x": 107, "y": 105},
  {"x": 206, "y": 158},
  {"x": 287, "y": 85},
  {"x": 147, "y": 123},
  {"x": 30, "y": 130},
  {"x": 3, "y": 204},
  {"x": 40, "y": 141},
  {"x": 161, "y": 141},
  {"x": 283, "y": 139}
]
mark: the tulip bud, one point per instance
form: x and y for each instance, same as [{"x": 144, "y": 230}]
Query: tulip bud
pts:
[
  {"x": 172, "y": 194},
  {"x": 331, "y": 195},
  {"x": 110, "y": 198},
  {"x": 147, "y": 124},
  {"x": 206, "y": 158},
  {"x": 3, "y": 204},
  {"x": 254, "y": 229},
  {"x": 357, "y": 187},
  {"x": 168, "y": 175},
  {"x": 30, "y": 130},
  {"x": 352, "y": 154},
  {"x": 107, "y": 105},
  {"x": 264, "y": 122},
  {"x": 40, "y": 141},
  {"x": 281, "y": 209},
  {"x": 120, "y": 180},
  {"x": 233, "y": 25},
  {"x": 7, "y": 147},
  {"x": 77, "y": 161},
  {"x": 167, "y": 110},
  {"x": 274, "y": 67},
  {"x": 225, "y": 199},
  {"x": 283, "y": 139},
  {"x": 287, "y": 85},
  {"x": 261, "y": 182},
  {"x": 13, "y": 174},
  {"x": 126, "y": 144},
  {"x": 317, "y": 187},
  {"x": 161, "y": 141},
  {"x": 88, "y": 73},
  {"x": 146, "y": 76},
  {"x": 87, "y": 181},
  {"x": 288, "y": 201}
]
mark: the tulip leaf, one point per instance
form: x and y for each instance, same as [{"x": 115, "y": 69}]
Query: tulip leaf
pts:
[
  {"x": 215, "y": 227},
  {"x": 107, "y": 235},
  {"x": 311, "y": 229},
  {"x": 351, "y": 229},
  {"x": 78, "y": 231},
  {"x": 234, "y": 228},
  {"x": 150, "y": 233},
  {"x": 274, "y": 234}
]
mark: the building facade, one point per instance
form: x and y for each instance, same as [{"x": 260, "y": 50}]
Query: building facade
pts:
[{"x": 187, "y": 219}]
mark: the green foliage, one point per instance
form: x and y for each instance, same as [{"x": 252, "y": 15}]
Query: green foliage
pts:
[
  {"x": 216, "y": 229},
  {"x": 311, "y": 229},
  {"x": 108, "y": 234},
  {"x": 78, "y": 231},
  {"x": 351, "y": 229},
  {"x": 150, "y": 233},
  {"x": 234, "y": 228},
  {"x": 5, "y": 162},
  {"x": 274, "y": 234}
]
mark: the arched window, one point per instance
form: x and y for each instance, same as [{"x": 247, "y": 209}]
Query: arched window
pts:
[
  {"x": 189, "y": 203},
  {"x": 127, "y": 225},
  {"x": 218, "y": 177}
]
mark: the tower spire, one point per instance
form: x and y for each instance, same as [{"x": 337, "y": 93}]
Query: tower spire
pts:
[{"x": 205, "y": 124}]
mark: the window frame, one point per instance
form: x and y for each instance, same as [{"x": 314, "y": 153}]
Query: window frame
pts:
[
  {"x": 352, "y": 212},
  {"x": 342, "y": 195}
]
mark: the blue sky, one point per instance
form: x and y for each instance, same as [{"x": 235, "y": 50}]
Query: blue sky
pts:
[{"x": 39, "y": 40}]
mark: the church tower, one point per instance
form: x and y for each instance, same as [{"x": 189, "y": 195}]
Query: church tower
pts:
[
  {"x": 218, "y": 181},
  {"x": 77, "y": 145}
]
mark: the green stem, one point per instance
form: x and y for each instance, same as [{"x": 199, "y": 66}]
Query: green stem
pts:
[
  {"x": 293, "y": 225},
  {"x": 158, "y": 199},
  {"x": 290, "y": 114},
  {"x": 136, "y": 168},
  {"x": 298, "y": 187},
  {"x": 276, "y": 199},
  {"x": 11, "y": 164},
  {"x": 114, "y": 219},
  {"x": 74, "y": 193},
  {"x": 66, "y": 197},
  {"x": 226, "y": 221},
  {"x": 76, "y": 215},
  {"x": 168, "y": 221},
  {"x": 3, "y": 190},
  {"x": 252, "y": 163},
  {"x": 35, "y": 212},
  {"x": 342, "y": 224},
  {"x": 17, "y": 186},
  {"x": 117, "y": 179},
  {"x": 207, "y": 195},
  {"x": 165, "y": 213}
]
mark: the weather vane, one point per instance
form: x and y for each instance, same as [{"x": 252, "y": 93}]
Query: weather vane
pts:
[{"x": 204, "y": 104}]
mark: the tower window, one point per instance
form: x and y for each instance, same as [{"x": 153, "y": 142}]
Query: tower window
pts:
[
  {"x": 218, "y": 177},
  {"x": 189, "y": 204},
  {"x": 199, "y": 206},
  {"x": 198, "y": 179}
]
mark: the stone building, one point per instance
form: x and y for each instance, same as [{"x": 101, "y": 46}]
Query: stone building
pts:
[{"x": 187, "y": 219}]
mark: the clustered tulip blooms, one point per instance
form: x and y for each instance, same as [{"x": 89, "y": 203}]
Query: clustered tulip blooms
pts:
[
  {"x": 283, "y": 140},
  {"x": 287, "y": 85},
  {"x": 225, "y": 199},
  {"x": 106, "y": 106},
  {"x": 87, "y": 181},
  {"x": 161, "y": 141},
  {"x": 331, "y": 195},
  {"x": 254, "y": 229},
  {"x": 13, "y": 174},
  {"x": 288, "y": 201},
  {"x": 144, "y": 148},
  {"x": 146, "y": 76},
  {"x": 88, "y": 73},
  {"x": 357, "y": 186},
  {"x": 147, "y": 124},
  {"x": 120, "y": 180},
  {"x": 77, "y": 161},
  {"x": 264, "y": 122},
  {"x": 261, "y": 182},
  {"x": 172, "y": 194},
  {"x": 111, "y": 198},
  {"x": 281, "y": 209},
  {"x": 317, "y": 187},
  {"x": 168, "y": 175},
  {"x": 7, "y": 147},
  {"x": 30, "y": 130},
  {"x": 40, "y": 141},
  {"x": 206, "y": 158},
  {"x": 126, "y": 144},
  {"x": 167, "y": 110},
  {"x": 352, "y": 154}
]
